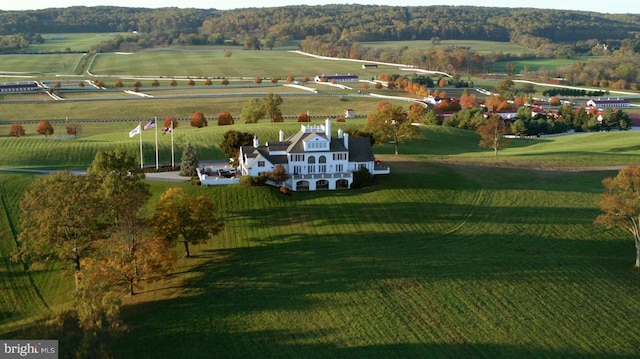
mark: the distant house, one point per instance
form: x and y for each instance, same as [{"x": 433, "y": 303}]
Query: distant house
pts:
[
  {"x": 336, "y": 78},
  {"x": 369, "y": 66},
  {"x": 27, "y": 86},
  {"x": 606, "y": 103},
  {"x": 349, "y": 113},
  {"x": 312, "y": 158}
]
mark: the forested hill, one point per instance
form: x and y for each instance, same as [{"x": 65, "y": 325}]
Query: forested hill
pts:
[{"x": 349, "y": 22}]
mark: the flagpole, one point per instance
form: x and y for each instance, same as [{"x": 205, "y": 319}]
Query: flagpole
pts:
[
  {"x": 156, "y": 122},
  {"x": 140, "y": 134},
  {"x": 173, "y": 162}
]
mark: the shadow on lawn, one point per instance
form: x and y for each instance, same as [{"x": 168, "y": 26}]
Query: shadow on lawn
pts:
[{"x": 222, "y": 309}]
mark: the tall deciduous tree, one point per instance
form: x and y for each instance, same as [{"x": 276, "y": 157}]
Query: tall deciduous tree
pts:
[
  {"x": 62, "y": 218},
  {"x": 271, "y": 104},
  {"x": 390, "y": 124},
  {"x": 492, "y": 133},
  {"x": 252, "y": 111},
  {"x": 185, "y": 219},
  {"x": 44, "y": 128},
  {"x": 118, "y": 177},
  {"x": 129, "y": 256},
  {"x": 620, "y": 204},
  {"x": 416, "y": 113},
  {"x": 189, "y": 162}
]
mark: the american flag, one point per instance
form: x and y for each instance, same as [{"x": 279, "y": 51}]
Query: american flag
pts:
[{"x": 150, "y": 125}]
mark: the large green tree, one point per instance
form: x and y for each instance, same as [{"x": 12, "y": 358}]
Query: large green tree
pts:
[
  {"x": 185, "y": 219},
  {"x": 620, "y": 204},
  {"x": 62, "y": 217},
  {"x": 118, "y": 179},
  {"x": 252, "y": 111},
  {"x": 271, "y": 104},
  {"x": 390, "y": 124},
  {"x": 131, "y": 254}
]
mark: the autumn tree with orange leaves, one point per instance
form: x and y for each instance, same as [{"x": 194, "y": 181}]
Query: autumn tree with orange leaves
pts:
[
  {"x": 225, "y": 118},
  {"x": 44, "y": 128},
  {"x": 620, "y": 204},
  {"x": 468, "y": 101},
  {"x": 492, "y": 133},
  {"x": 390, "y": 124},
  {"x": 198, "y": 120}
]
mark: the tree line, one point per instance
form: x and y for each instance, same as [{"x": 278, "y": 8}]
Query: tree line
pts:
[{"x": 351, "y": 23}]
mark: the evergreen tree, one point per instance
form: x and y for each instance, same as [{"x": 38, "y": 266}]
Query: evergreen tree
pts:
[{"x": 189, "y": 161}]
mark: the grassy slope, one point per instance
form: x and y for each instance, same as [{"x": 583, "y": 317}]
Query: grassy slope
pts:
[
  {"x": 473, "y": 45},
  {"x": 40, "y": 64},
  {"x": 214, "y": 64},
  {"x": 437, "y": 260}
]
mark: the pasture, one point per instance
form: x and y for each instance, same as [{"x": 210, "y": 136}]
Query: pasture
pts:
[
  {"x": 457, "y": 253},
  {"x": 442, "y": 258},
  {"x": 537, "y": 64},
  {"x": 130, "y": 106},
  {"x": 473, "y": 45},
  {"x": 72, "y": 42},
  {"x": 216, "y": 64},
  {"x": 38, "y": 66}
]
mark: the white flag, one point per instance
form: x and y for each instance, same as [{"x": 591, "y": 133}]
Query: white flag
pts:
[{"x": 135, "y": 131}]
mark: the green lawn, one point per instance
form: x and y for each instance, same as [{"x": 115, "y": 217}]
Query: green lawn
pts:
[{"x": 439, "y": 259}]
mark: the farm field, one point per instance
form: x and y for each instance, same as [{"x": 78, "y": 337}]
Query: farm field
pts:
[
  {"x": 473, "y": 45},
  {"x": 74, "y": 42},
  {"x": 537, "y": 64},
  {"x": 447, "y": 256},
  {"x": 37, "y": 66},
  {"x": 457, "y": 253},
  {"x": 213, "y": 64},
  {"x": 138, "y": 107}
]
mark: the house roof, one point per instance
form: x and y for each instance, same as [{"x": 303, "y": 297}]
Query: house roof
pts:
[
  {"x": 605, "y": 101},
  {"x": 360, "y": 149}
]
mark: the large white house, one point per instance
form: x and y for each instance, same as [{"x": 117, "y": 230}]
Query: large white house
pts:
[{"x": 312, "y": 158}]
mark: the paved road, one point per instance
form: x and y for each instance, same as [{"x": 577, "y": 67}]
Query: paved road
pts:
[{"x": 161, "y": 176}]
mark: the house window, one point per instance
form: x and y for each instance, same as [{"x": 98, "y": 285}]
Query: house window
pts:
[
  {"x": 298, "y": 158},
  {"x": 311, "y": 169},
  {"x": 311, "y": 159},
  {"x": 322, "y": 159},
  {"x": 260, "y": 163},
  {"x": 339, "y": 168},
  {"x": 322, "y": 168},
  {"x": 297, "y": 170}
]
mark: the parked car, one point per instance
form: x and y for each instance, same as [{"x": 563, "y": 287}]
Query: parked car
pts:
[{"x": 225, "y": 173}]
